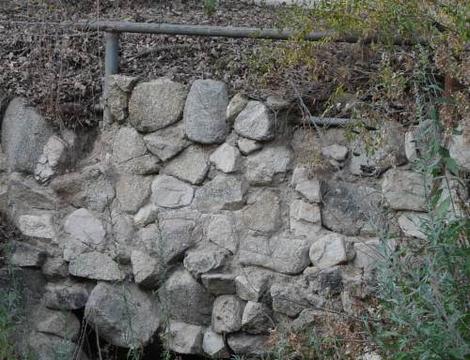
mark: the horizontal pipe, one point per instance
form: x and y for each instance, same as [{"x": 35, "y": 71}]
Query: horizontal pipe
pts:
[{"x": 205, "y": 30}]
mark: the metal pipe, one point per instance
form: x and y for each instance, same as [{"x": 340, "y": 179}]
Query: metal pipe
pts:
[{"x": 111, "y": 66}]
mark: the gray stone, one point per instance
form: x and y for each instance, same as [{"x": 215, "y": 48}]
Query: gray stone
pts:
[
  {"x": 95, "y": 266},
  {"x": 213, "y": 345},
  {"x": 50, "y": 347},
  {"x": 25, "y": 194},
  {"x": 303, "y": 211},
  {"x": 224, "y": 192},
  {"x": 132, "y": 191},
  {"x": 411, "y": 150},
  {"x": 459, "y": 148},
  {"x": 221, "y": 230},
  {"x": 350, "y": 209},
  {"x": 308, "y": 318},
  {"x": 277, "y": 103},
  {"x": 262, "y": 215},
  {"x": 185, "y": 338},
  {"x": 245, "y": 344},
  {"x": 185, "y": 299},
  {"x": 227, "y": 314},
  {"x": 169, "y": 192},
  {"x": 262, "y": 166},
  {"x": 205, "y": 112},
  {"x": 306, "y": 186},
  {"x": 390, "y": 153},
  {"x": 235, "y": 106},
  {"x": 143, "y": 165},
  {"x": 90, "y": 188},
  {"x": 412, "y": 224},
  {"x": 55, "y": 268},
  {"x": 257, "y": 318},
  {"x": 66, "y": 295},
  {"x": 335, "y": 152},
  {"x": 123, "y": 314},
  {"x": 26, "y": 255},
  {"x": 63, "y": 324},
  {"x": 191, "y": 165},
  {"x": 85, "y": 232},
  {"x": 219, "y": 283},
  {"x": 128, "y": 145},
  {"x": 253, "y": 283},
  {"x": 205, "y": 259},
  {"x": 167, "y": 142},
  {"x": 39, "y": 225},
  {"x": 404, "y": 190},
  {"x": 120, "y": 87},
  {"x": 146, "y": 215},
  {"x": 178, "y": 231},
  {"x": 255, "y": 122},
  {"x": 147, "y": 269},
  {"x": 52, "y": 160},
  {"x": 248, "y": 146},
  {"x": 367, "y": 254},
  {"x": 283, "y": 253},
  {"x": 226, "y": 158},
  {"x": 24, "y": 134},
  {"x": 156, "y": 104},
  {"x": 330, "y": 250}
]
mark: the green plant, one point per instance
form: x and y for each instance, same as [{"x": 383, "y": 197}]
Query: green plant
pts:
[{"x": 210, "y": 7}]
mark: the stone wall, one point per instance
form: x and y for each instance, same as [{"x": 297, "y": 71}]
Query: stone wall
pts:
[{"x": 240, "y": 216}]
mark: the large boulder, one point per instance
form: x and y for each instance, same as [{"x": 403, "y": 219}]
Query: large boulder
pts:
[
  {"x": 184, "y": 299},
  {"x": 24, "y": 134},
  {"x": 123, "y": 314},
  {"x": 205, "y": 112},
  {"x": 156, "y": 104},
  {"x": 255, "y": 122}
]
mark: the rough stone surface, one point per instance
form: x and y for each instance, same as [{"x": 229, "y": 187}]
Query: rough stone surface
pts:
[
  {"x": 203, "y": 260},
  {"x": 283, "y": 253},
  {"x": 306, "y": 186},
  {"x": 348, "y": 208},
  {"x": 127, "y": 145},
  {"x": 169, "y": 192},
  {"x": 191, "y": 166},
  {"x": 404, "y": 190},
  {"x": 168, "y": 142},
  {"x": 245, "y": 344},
  {"x": 253, "y": 283},
  {"x": 185, "y": 338},
  {"x": 50, "y": 347},
  {"x": 219, "y": 284},
  {"x": 132, "y": 191},
  {"x": 146, "y": 215},
  {"x": 146, "y": 269},
  {"x": 186, "y": 300},
  {"x": 156, "y": 104},
  {"x": 235, "y": 106},
  {"x": 227, "y": 314},
  {"x": 257, "y": 318},
  {"x": 66, "y": 295},
  {"x": 262, "y": 215},
  {"x": 262, "y": 166},
  {"x": 120, "y": 87},
  {"x": 335, "y": 152},
  {"x": 37, "y": 225},
  {"x": 224, "y": 192},
  {"x": 330, "y": 250},
  {"x": 95, "y": 266},
  {"x": 63, "y": 324},
  {"x": 367, "y": 254},
  {"x": 303, "y": 211},
  {"x": 52, "y": 160},
  {"x": 143, "y": 165},
  {"x": 248, "y": 146},
  {"x": 213, "y": 345},
  {"x": 459, "y": 149},
  {"x": 26, "y": 255},
  {"x": 205, "y": 112},
  {"x": 24, "y": 134},
  {"x": 123, "y": 314},
  {"x": 55, "y": 268},
  {"x": 221, "y": 230},
  {"x": 254, "y": 122},
  {"x": 226, "y": 158},
  {"x": 411, "y": 223},
  {"x": 391, "y": 152}
]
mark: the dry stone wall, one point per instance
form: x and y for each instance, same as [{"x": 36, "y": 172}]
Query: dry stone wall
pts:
[{"x": 209, "y": 218}]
